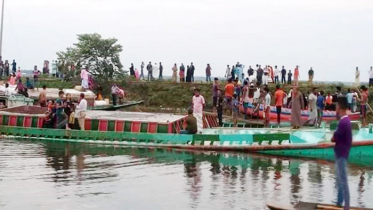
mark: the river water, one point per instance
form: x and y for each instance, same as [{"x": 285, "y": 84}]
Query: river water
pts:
[{"x": 55, "y": 175}]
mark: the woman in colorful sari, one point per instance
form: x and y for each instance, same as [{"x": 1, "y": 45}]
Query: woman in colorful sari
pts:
[{"x": 12, "y": 79}]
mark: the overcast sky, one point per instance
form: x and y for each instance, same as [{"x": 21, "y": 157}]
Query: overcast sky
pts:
[{"x": 332, "y": 36}]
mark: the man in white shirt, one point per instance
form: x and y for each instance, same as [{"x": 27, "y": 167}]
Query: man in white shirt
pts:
[
  {"x": 80, "y": 111},
  {"x": 7, "y": 90},
  {"x": 277, "y": 75},
  {"x": 114, "y": 94},
  {"x": 198, "y": 104},
  {"x": 266, "y": 75},
  {"x": 371, "y": 77}
]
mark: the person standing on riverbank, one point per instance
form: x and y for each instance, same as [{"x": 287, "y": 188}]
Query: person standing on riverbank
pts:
[
  {"x": 279, "y": 98},
  {"x": 250, "y": 72},
  {"x": 289, "y": 77},
  {"x": 36, "y": 74},
  {"x": 277, "y": 75},
  {"x": 296, "y": 75},
  {"x": 208, "y": 73},
  {"x": 14, "y": 66},
  {"x": 192, "y": 69},
  {"x": 259, "y": 75},
  {"x": 228, "y": 73},
  {"x": 310, "y": 76},
  {"x": 188, "y": 76},
  {"x": 343, "y": 141},
  {"x": 198, "y": 104},
  {"x": 371, "y": 77},
  {"x": 357, "y": 77},
  {"x": 283, "y": 75},
  {"x": 6, "y": 68},
  {"x": 174, "y": 73},
  {"x": 132, "y": 70},
  {"x": 149, "y": 67},
  {"x": 160, "y": 71},
  {"x": 182, "y": 73},
  {"x": 142, "y": 70}
]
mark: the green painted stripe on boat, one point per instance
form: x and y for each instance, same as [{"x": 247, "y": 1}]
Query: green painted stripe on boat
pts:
[
  {"x": 111, "y": 125},
  {"x": 144, "y": 128},
  {"x": 94, "y": 124},
  {"x": 162, "y": 128},
  {"x": 20, "y": 120},
  {"x": 34, "y": 122},
  {"x": 127, "y": 126},
  {"x": 5, "y": 119}
]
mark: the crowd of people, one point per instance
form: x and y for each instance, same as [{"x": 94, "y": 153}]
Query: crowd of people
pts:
[{"x": 64, "y": 112}]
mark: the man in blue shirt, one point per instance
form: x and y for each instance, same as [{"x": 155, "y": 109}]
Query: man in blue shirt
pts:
[
  {"x": 320, "y": 107},
  {"x": 349, "y": 97},
  {"x": 343, "y": 140}
]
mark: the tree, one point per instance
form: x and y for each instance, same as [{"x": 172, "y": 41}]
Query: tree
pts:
[{"x": 100, "y": 56}]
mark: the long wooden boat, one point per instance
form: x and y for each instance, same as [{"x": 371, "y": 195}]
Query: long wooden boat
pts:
[
  {"x": 309, "y": 206},
  {"x": 161, "y": 130},
  {"x": 286, "y": 113}
]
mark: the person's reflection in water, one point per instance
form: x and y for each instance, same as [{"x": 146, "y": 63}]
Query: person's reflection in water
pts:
[
  {"x": 193, "y": 173},
  {"x": 361, "y": 189},
  {"x": 277, "y": 177},
  {"x": 295, "y": 180},
  {"x": 80, "y": 166},
  {"x": 315, "y": 179}
]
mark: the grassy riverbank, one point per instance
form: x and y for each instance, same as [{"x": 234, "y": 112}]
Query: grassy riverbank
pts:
[{"x": 170, "y": 95}]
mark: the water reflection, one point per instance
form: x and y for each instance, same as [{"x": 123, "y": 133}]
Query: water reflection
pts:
[{"x": 171, "y": 178}]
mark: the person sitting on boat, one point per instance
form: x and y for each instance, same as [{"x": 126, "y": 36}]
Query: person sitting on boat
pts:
[
  {"x": 191, "y": 124},
  {"x": 80, "y": 111},
  {"x": 29, "y": 84},
  {"x": 2, "y": 106},
  {"x": 21, "y": 89},
  {"x": 7, "y": 90},
  {"x": 12, "y": 79}
]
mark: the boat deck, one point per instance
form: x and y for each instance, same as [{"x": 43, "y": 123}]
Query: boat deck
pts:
[{"x": 134, "y": 116}]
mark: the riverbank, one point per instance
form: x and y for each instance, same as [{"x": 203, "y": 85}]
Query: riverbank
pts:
[{"x": 165, "y": 94}]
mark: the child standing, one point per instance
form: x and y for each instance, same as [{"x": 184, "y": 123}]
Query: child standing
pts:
[{"x": 343, "y": 140}]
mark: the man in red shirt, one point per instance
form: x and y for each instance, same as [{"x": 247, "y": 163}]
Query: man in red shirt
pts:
[
  {"x": 229, "y": 91},
  {"x": 279, "y": 98},
  {"x": 364, "y": 102}
]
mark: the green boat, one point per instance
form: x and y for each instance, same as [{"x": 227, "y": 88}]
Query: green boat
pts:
[{"x": 161, "y": 131}]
